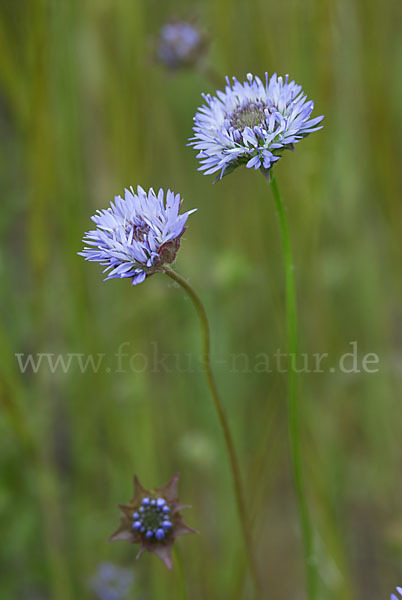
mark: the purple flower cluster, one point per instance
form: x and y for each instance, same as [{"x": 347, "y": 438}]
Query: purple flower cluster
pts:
[
  {"x": 180, "y": 44},
  {"x": 251, "y": 123},
  {"x": 136, "y": 235},
  {"x": 152, "y": 519},
  {"x": 112, "y": 582}
]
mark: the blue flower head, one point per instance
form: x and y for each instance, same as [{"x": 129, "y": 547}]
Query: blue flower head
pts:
[
  {"x": 394, "y": 597},
  {"x": 153, "y": 520},
  {"x": 180, "y": 44},
  {"x": 136, "y": 235},
  {"x": 251, "y": 123},
  {"x": 112, "y": 583}
]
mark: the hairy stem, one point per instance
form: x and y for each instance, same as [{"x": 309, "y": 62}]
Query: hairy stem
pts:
[{"x": 234, "y": 463}]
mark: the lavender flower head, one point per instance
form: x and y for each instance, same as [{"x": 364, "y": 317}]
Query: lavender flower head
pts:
[
  {"x": 112, "y": 583},
  {"x": 136, "y": 235},
  {"x": 180, "y": 44},
  {"x": 394, "y": 597},
  {"x": 251, "y": 123}
]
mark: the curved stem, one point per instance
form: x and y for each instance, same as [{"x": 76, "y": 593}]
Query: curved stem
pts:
[
  {"x": 237, "y": 481},
  {"x": 293, "y": 409}
]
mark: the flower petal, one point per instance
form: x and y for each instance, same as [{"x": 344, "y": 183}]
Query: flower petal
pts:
[{"x": 169, "y": 491}]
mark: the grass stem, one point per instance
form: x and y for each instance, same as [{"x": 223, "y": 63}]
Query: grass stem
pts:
[{"x": 294, "y": 407}]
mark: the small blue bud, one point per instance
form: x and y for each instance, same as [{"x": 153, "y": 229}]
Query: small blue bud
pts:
[
  {"x": 135, "y": 516},
  {"x": 137, "y": 525},
  {"x": 237, "y": 135},
  {"x": 160, "y": 502},
  {"x": 142, "y": 529},
  {"x": 153, "y": 502},
  {"x": 166, "y": 524},
  {"x": 141, "y": 509},
  {"x": 149, "y": 534},
  {"x": 166, "y": 509},
  {"x": 159, "y": 534},
  {"x": 145, "y": 501}
]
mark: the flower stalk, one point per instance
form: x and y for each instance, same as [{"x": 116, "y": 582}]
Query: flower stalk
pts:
[
  {"x": 223, "y": 421},
  {"x": 293, "y": 400}
]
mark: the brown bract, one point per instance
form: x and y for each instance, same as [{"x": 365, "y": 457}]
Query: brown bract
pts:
[{"x": 163, "y": 548}]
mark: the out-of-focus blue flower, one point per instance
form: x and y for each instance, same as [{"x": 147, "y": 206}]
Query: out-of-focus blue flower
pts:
[
  {"x": 251, "y": 123},
  {"x": 112, "y": 583},
  {"x": 180, "y": 44},
  {"x": 136, "y": 235},
  {"x": 394, "y": 597}
]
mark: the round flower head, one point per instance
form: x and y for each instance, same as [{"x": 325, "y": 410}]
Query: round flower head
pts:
[
  {"x": 251, "y": 123},
  {"x": 180, "y": 44},
  {"x": 152, "y": 519},
  {"x": 137, "y": 234},
  {"x": 112, "y": 583}
]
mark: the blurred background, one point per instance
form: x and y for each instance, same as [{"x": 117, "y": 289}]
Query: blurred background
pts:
[{"x": 86, "y": 109}]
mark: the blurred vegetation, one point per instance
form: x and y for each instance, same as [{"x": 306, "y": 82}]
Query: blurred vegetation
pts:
[{"x": 85, "y": 111}]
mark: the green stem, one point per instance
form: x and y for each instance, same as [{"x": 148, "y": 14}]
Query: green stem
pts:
[
  {"x": 293, "y": 409},
  {"x": 234, "y": 463}
]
